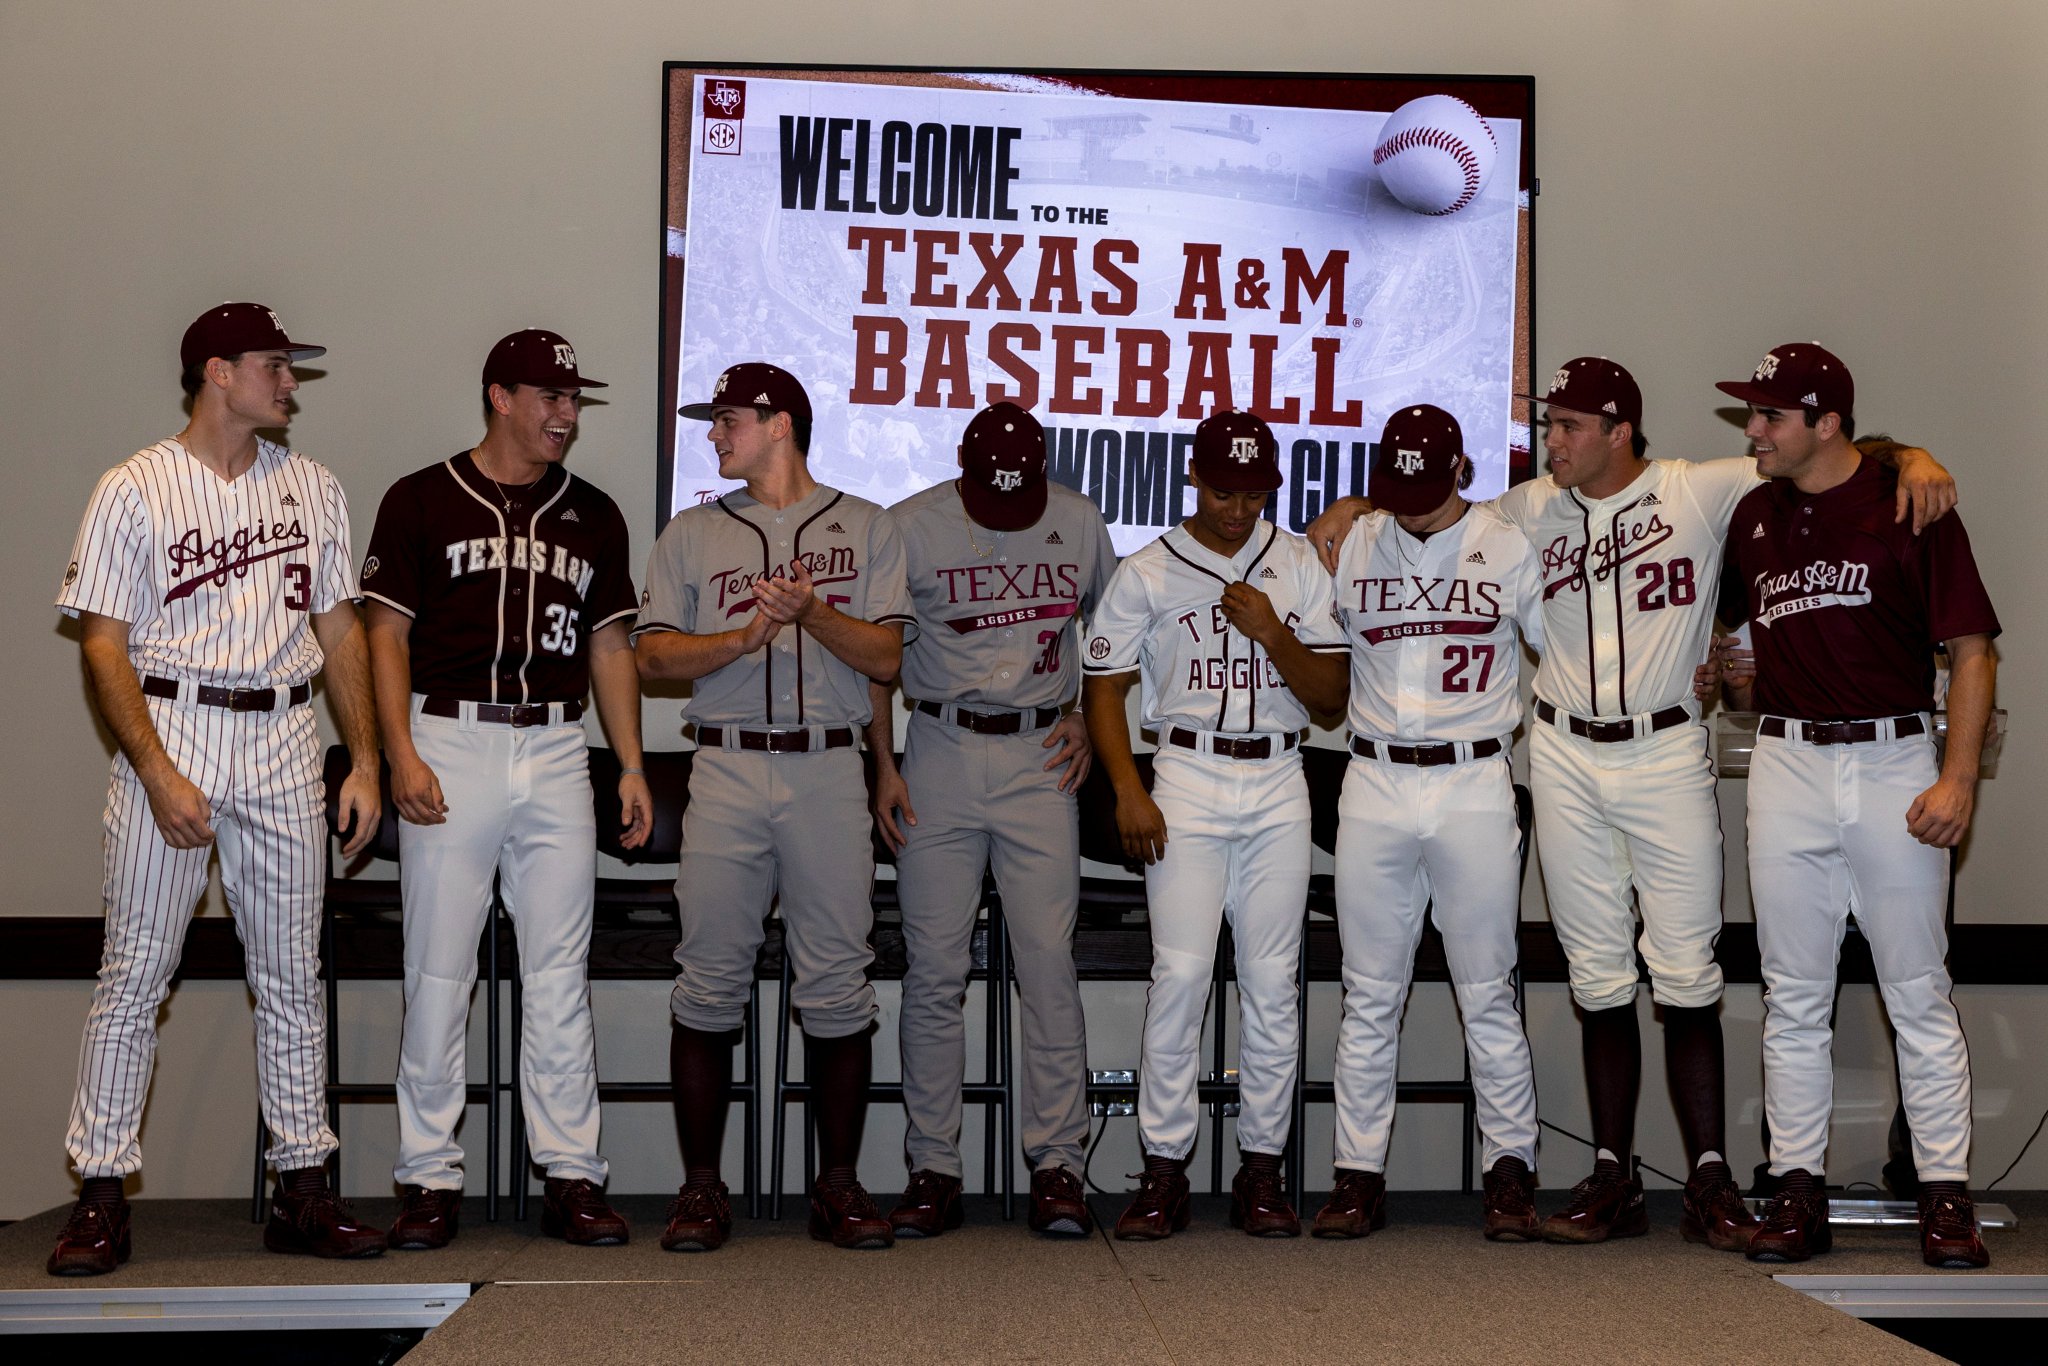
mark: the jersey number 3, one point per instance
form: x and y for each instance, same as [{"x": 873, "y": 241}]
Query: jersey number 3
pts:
[
  {"x": 561, "y": 632},
  {"x": 298, "y": 586}
]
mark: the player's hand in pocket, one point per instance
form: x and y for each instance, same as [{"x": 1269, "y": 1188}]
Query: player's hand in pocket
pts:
[
  {"x": 416, "y": 792},
  {"x": 1142, "y": 828}
]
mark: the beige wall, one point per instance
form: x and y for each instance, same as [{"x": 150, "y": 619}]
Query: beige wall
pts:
[{"x": 406, "y": 182}]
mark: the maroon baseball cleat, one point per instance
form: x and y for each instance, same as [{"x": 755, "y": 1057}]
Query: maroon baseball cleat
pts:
[
  {"x": 427, "y": 1219},
  {"x": 1357, "y": 1205},
  {"x": 930, "y": 1206},
  {"x": 1160, "y": 1208},
  {"x": 576, "y": 1211},
  {"x": 845, "y": 1216},
  {"x": 1948, "y": 1227},
  {"x": 1258, "y": 1204},
  {"x": 1058, "y": 1204},
  {"x": 94, "y": 1239},
  {"x": 1795, "y": 1225},
  {"x": 1713, "y": 1211},
  {"x": 306, "y": 1217},
  {"x": 1607, "y": 1204},
  {"x": 699, "y": 1219},
  {"x": 1511, "y": 1203}
]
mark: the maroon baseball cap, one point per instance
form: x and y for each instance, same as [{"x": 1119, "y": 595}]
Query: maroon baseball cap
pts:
[
  {"x": 753, "y": 384},
  {"x": 231, "y": 329},
  {"x": 535, "y": 356},
  {"x": 1799, "y": 375},
  {"x": 1002, "y": 468},
  {"x": 1594, "y": 384},
  {"x": 1418, "y": 465},
  {"x": 1236, "y": 453}
]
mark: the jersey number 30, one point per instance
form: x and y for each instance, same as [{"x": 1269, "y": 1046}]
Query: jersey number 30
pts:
[{"x": 561, "y": 632}]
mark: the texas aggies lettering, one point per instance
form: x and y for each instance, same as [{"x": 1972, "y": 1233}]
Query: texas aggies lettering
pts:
[{"x": 517, "y": 578}]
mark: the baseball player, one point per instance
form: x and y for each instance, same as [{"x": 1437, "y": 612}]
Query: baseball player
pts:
[
  {"x": 212, "y": 579},
  {"x": 999, "y": 563},
  {"x": 1431, "y": 592},
  {"x": 1848, "y": 811},
  {"x": 1231, "y": 625},
  {"x": 498, "y": 598},
  {"x": 782, "y": 603},
  {"x": 1629, "y": 550}
]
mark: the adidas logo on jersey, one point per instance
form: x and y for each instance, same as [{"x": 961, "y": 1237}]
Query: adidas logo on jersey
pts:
[
  {"x": 1053, "y": 538},
  {"x": 288, "y": 501},
  {"x": 1758, "y": 534},
  {"x": 1651, "y": 500},
  {"x": 569, "y": 515},
  {"x": 836, "y": 529},
  {"x": 1267, "y": 573},
  {"x": 1475, "y": 558}
]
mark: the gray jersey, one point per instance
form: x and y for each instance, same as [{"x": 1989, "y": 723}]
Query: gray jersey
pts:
[
  {"x": 1162, "y": 615},
  {"x": 998, "y": 611},
  {"x": 701, "y": 576}
]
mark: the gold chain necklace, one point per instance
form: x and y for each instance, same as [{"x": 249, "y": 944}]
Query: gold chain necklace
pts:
[{"x": 971, "y": 541}]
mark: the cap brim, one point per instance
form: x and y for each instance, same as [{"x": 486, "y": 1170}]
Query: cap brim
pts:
[
  {"x": 298, "y": 352},
  {"x": 1244, "y": 483},
  {"x": 580, "y": 382},
  {"x": 1750, "y": 392},
  {"x": 1407, "y": 497},
  {"x": 696, "y": 412},
  {"x": 1554, "y": 403},
  {"x": 1005, "y": 511}
]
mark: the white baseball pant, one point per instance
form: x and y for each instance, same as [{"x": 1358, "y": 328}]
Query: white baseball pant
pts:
[
  {"x": 1443, "y": 839},
  {"x": 1827, "y": 840},
  {"x": 260, "y": 772},
  {"x": 1635, "y": 814},
  {"x": 518, "y": 807},
  {"x": 1237, "y": 844}
]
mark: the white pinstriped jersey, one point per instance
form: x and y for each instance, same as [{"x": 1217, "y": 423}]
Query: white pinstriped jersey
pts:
[
  {"x": 1432, "y": 626},
  {"x": 214, "y": 577},
  {"x": 1162, "y": 616},
  {"x": 1629, "y": 582},
  {"x": 701, "y": 579},
  {"x": 998, "y": 625}
]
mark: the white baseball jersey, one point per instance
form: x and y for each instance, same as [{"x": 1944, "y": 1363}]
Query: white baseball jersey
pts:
[
  {"x": 995, "y": 607},
  {"x": 214, "y": 577},
  {"x": 1432, "y": 624},
  {"x": 1162, "y": 615},
  {"x": 1629, "y": 582},
  {"x": 701, "y": 578}
]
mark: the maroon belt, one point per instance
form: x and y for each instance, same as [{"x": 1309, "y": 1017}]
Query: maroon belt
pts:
[
  {"x": 1256, "y": 747},
  {"x": 504, "y": 713},
  {"x": 1610, "y": 732},
  {"x": 1422, "y": 756},
  {"x": 234, "y": 699},
  {"x": 995, "y": 722},
  {"x": 775, "y": 741},
  {"x": 1842, "y": 732}
]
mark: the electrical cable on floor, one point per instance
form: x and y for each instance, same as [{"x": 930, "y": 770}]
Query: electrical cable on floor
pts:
[
  {"x": 1088, "y": 1159},
  {"x": 2023, "y": 1150},
  {"x": 1567, "y": 1133}
]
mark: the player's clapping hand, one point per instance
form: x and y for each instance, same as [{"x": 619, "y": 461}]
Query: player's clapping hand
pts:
[
  {"x": 1251, "y": 613},
  {"x": 1070, "y": 734},
  {"x": 1142, "y": 828},
  {"x": 891, "y": 806},
  {"x": 759, "y": 630},
  {"x": 416, "y": 792},
  {"x": 636, "y": 810},
  {"x": 1940, "y": 816},
  {"x": 790, "y": 599},
  {"x": 181, "y": 811}
]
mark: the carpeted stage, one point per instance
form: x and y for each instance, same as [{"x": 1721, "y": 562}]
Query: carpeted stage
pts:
[{"x": 1425, "y": 1289}]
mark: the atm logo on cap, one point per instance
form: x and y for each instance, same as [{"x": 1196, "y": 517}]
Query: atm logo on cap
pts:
[
  {"x": 1009, "y": 481},
  {"x": 1767, "y": 367},
  {"x": 1408, "y": 462},
  {"x": 1560, "y": 379},
  {"x": 565, "y": 355},
  {"x": 1244, "y": 449}
]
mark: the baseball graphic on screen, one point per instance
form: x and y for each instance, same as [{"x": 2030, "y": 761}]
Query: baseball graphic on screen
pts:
[{"x": 1435, "y": 154}]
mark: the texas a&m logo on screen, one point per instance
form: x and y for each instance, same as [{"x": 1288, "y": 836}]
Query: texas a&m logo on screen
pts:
[{"x": 725, "y": 108}]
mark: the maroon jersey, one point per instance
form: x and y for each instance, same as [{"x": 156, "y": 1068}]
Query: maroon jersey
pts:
[
  {"x": 503, "y": 600},
  {"x": 1848, "y": 604}
]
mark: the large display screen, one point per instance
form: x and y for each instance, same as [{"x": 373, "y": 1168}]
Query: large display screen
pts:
[{"x": 1122, "y": 253}]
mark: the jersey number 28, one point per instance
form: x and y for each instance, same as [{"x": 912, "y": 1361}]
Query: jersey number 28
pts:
[{"x": 1657, "y": 579}]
